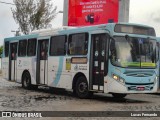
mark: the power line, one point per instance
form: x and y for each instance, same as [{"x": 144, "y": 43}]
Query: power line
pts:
[{"x": 7, "y": 3}]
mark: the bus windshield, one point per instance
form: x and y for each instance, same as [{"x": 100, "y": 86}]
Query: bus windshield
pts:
[{"x": 133, "y": 52}]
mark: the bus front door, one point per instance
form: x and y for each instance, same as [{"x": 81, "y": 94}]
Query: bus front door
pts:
[
  {"x": 13, "y": 61},
  {"x": 98, "y": 61},
  {"x": 42, "y": 62}
]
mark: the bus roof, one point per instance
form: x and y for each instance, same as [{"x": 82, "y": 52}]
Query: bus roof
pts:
[
  {"x": 158, "y": 39},
  {"x": 21, "y": 37},
  {"x": 66, "y": 29}
]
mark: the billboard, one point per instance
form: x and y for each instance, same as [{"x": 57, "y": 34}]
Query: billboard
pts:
[{"x": 92, "y": 12}]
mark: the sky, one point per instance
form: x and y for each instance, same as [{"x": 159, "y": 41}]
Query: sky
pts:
[{"x": 141, "y": 11}]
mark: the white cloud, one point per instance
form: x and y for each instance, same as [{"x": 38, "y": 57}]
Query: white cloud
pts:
[
  {"x": 7, "y": 22},
  {"x": 59, "y": 18}
]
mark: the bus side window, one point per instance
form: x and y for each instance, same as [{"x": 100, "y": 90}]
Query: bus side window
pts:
[
  {"x": 78, "y": 44},
  {"x": 85, "y": 47},
  {"x": 14, "y": 51},
  {"x": 157, "y": 51},
  {"x": 22, "y": 48},
  {"x": 31, "y": 50},
  {"x": 71, "y": 48},
  {"x": 113, "y": 50},
  {"x": 43, "y": 50},
  {"x": 6, "y": 48},
  {"x": 58, "y": 45}
]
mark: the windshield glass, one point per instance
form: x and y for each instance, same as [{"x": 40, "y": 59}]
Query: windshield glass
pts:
[{"x": 133, "y": 52}]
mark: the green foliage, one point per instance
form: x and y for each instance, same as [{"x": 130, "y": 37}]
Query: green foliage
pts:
[
  {"x": 33, "y": 14},
  {"x": 1, "y": 50}
]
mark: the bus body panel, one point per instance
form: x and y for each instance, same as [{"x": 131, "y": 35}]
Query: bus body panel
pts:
[
  {"x": 61, "y": 72},
  {"x": 43, "y": 72},
  {"x": 58, "y": 76},
  {"x": 14, "y": 70},
  {"x": 5, "y": 68},
  {"x": 29, "y": 64}
]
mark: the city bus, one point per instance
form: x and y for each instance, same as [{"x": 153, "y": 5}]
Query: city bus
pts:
[
  {"x": 114, "y": 58},
  {"x": 158, "y": 42}
]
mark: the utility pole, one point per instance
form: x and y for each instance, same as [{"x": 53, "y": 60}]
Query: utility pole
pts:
[{"x": 123, "y": 11}]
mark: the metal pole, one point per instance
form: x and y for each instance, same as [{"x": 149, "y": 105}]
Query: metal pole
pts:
[
  {"x": 123, "y": 11},
  {"x": 65, "y": 12}
]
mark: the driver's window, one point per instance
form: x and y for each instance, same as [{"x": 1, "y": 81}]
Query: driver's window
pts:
[
  {"x": 157, "y": 51},
  {"x": 113, "y": 50}
]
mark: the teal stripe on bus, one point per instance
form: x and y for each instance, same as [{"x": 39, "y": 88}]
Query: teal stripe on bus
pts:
[{"x": 59, "y": 72}]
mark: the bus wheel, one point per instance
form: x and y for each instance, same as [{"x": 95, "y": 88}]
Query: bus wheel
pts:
[
  {"x": 81, "y": 89},
  {"x": 34, "y": 87},
  {"x": 118, "y": 95},
  {"x": 26, "y": 80}
]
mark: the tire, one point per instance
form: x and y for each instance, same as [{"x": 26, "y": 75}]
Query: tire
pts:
[
  {"x": 26, "y": 81},
  {"x": 81, "y": 88},
  {"x": 118, "y": 95},
  {"x": 34, "y": 87}
]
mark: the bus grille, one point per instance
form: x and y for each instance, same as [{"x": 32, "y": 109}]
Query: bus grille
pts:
[
  {"x": 139, "y": 83},
  {"x": 134, "y": 88},
  {"x": 139, "y": 73}
]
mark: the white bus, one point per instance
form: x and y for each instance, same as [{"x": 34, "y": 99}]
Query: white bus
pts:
[{"x": 115, "y": 58}]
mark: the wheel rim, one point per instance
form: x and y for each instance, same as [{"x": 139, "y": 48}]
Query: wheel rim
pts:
[{"x": 82, "y": 87}]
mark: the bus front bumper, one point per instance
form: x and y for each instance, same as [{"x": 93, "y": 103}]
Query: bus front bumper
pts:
[{"x": 113, "y": 86}]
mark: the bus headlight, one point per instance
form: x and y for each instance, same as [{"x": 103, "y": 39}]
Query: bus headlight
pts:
[
  {"x": 116, "y": 77},
  {"x": 119, "y": 79}
]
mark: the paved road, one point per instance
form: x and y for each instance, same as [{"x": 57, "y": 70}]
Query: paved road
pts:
[{"x": 14, "y": 98}]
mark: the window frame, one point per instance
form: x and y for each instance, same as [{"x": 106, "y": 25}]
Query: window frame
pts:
[
  {"x": 35, "y": 49},
  {"x": 20, "y": 48},
  {"x": 7, "y": 49},
  {"x": 50, "y": 46},
  {"x": 86, "y": 39}
]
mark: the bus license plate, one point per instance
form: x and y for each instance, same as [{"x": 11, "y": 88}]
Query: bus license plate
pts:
[{"x": 140, "y": 88}]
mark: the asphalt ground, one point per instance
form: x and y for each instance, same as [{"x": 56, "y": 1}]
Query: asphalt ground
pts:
[{"x": 14, "y": 98}]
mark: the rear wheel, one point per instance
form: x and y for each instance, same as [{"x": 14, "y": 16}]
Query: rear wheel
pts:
[
  {"x": 26, "y": 80},
  {"x": 118, "y": 95},
  {"x": 34, "y": 87},
  {"x": 81, "y": 88}
]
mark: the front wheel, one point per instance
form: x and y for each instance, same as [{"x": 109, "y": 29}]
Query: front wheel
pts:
[
  {"x": 81, "y": 89},
  {"x": 26, "y": 80},
  {"x": 118, "y": 95}
]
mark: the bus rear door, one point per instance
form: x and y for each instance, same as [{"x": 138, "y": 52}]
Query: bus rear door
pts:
[
  {"x": 13, "y": 61},
  {"x": 42, "y": 62},
  {"x": 98, "y": 61}
]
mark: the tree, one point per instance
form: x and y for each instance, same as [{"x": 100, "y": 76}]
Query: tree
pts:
[
  {"x": 33, "y": 14},
  {"x": 1, "y": 50}
]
